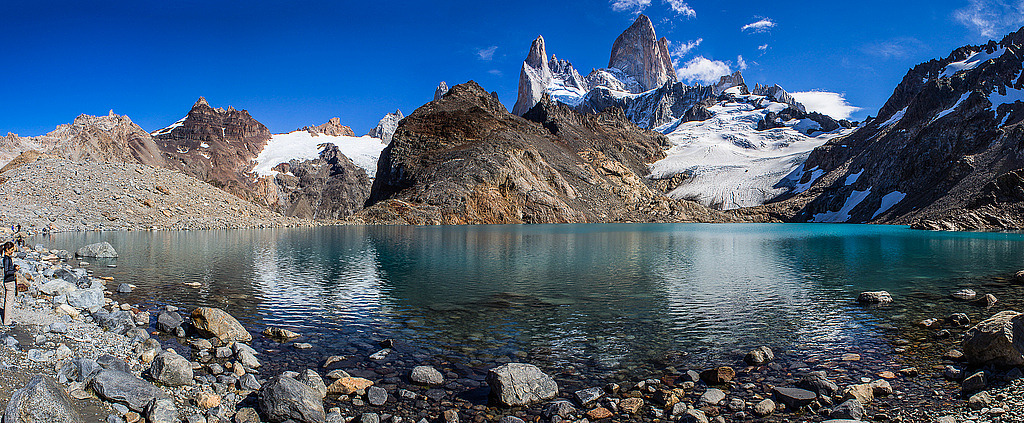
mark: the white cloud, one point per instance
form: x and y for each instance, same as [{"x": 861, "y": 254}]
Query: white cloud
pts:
[
  {"x": 495, "y": 72},
  {"x": 681, "y": 8},
  {"x": 487, "y": 54},
  {"x": 637, "y": 6},
  {"x": 828, "y": 103},
  {"x": 679, "y": 50},
  {"x": 763, "y": 47},
  {"x": 702, "y": 70},
  {"x": 632, "y": 6},
  {"x": 740, "y": 63},
  {"x": 762, "y": 25},
  {"x": 991, "y": 17},
  {"x": 895, "y": 48}
]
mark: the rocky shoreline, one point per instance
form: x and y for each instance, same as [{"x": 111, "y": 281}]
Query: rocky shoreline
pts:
[{"x": 88, "y": 357}]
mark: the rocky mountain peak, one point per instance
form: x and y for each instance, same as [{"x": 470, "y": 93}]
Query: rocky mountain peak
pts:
[
  {"x": 730, "y": 81},
  {"x": 333, "y": 128},
  {"x": 201, "y": 103},
  {"x": 640, "y": 54},
  {"x": 441, "y": 90},
  {"x": 538, "y": 55},
  {"x": 385, "y": 129},
  {"x": 534, "y": 77}
]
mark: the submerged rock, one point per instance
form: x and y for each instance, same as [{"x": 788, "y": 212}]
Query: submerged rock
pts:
[
  {"x": 874, "y": 297},
  {"x": 518, "y": 384},
  {"x": 42, "y": 400},
  {"x": 760, "y": 355}
]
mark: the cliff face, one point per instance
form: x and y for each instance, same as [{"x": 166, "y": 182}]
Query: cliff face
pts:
[
  {"x": 640, "y": 54},
  {"x": 217, "y": 146},
  {"x": 329, "y": 187},
  {"x": 465, "y": 160},
  {"x": 946, "y": 151}
]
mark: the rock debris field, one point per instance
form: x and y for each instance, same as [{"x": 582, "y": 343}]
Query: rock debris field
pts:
[{"x": 73, "y": 196}]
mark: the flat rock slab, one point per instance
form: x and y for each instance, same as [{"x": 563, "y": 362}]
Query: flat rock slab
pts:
[
  {"x": 794, "y": 398},
  {"x": 125, "y": 388}
]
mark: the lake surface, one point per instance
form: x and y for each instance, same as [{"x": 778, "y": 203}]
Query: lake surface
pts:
[{"x": 598, "y": 298}]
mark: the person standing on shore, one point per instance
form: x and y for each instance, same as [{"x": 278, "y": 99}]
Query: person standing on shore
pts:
[{"x": 10, "y": 282}]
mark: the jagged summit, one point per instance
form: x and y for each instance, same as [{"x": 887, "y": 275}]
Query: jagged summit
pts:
[
  {"x": 385, "y": 128},
  {"x": 534, "y": 77},
  {"x": 333, "y": 127},
  {"x": 441, "y": 90},
  {"x": 640, "y": 54},
  {"x": 201, "y": 102}
]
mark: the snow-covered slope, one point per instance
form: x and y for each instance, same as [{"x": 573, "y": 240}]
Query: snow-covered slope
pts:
[
  {"x": 303, "y": 145},
  {"x": 726, "y": 162}
]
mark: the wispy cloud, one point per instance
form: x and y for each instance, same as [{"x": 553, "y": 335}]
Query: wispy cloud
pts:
[
  {"x": 762, "y": 25},
  {"x": 681, "y": 8},
  {"x": 632, "y": 6},
  {"x": 895, "y": 48},
  {"x": 763, "y": 47},
  {"x": 991, "y": 17},
  {"x": 680, "y": 50},
  {"x": 636, "y": 7},
  {"x": 827, "y": 103},
  {"x": 740, "y": 63},
  {"x": 495, "y": 72},
  {"x": 486, "y": 54},
  {"x": 702, "y": 70}
]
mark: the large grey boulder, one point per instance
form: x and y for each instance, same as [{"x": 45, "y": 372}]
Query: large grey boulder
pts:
[
  {"x": 284, "y": 398},
  {"x": 57, "y": 287},
  {"x": 171, "y": 369},
  {"x": 874, "y": 297},
  {"x": 125, "y": 388},
  {"x": 426, "y": 375},
  {"x": 313, "y": 380},
  {"x": 98, "y": 250},
  {"x": 86, "y": 299},
  {"x": 117, "y": 321},
  {"x": 998, "y": 340},
  {"x": 216, "y": 322},
  {"x": 518, "y": 384},
  {"x": 42, "y": 400},
  {"x": 168, "y": 321},
  {"x": 162, "y": 410},
  {"x": 794, "y": 398}
]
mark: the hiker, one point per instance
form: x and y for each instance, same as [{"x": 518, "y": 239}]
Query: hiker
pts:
[{"x": 10, "y": 282}]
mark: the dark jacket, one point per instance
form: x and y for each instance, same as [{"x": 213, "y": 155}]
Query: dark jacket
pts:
[{"x": 10, "y": 275}]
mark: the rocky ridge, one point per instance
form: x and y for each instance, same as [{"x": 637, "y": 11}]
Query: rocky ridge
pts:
[
  {"x": 327, "y": 188},
  {"x": 387, "y": 125},
  {"x": 464, "y": 159},
  {"x": 943, "y": 153}
]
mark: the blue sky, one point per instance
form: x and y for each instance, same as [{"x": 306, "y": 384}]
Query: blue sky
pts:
[{"x": 295, "y": 63}]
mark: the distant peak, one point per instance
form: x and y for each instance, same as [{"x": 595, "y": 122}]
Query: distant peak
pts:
[
  {"x": 201, "y": 103},
  {"x": 441, "y": 90},
  {"x": 538, "y": 53}
]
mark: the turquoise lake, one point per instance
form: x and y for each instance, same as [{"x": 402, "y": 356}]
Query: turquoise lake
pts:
[{"x": 605, "y": 298}]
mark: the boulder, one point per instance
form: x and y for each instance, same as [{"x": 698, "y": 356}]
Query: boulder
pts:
[
  {"x": 519, "y": 384},
  {"x": 86, "y": 299},
  {"x": 124, "y": 288},
  {"x": 376, "y": 395},
  {"x": 349, "y": 385},
  {"x": 718, "y": 375},
  {"x": 764, "y": 408},
  {"x": 98, "y": 250},
  {"x": 280, "y": 334},
  {"x": 313, "y": 380},
  {"x": 42, "y": 400},
  {"x": 988, "y": 300},
  {"x": 760, "y": 355},
  {"x": 218, "y": 323},
  {"x": 694, "y": 415},
  {"x": 171, "y": 369},
  {"x": 162, "y": 410},
  {"x": 284, "y": 398},
  {"x": 117, "y": 321},
  {"x": 849, "y": 409},
  {"x": 959, "y": 320},
  {"x": 1019, "y": 276},
  {"x": 588, "y": 396},
  {"x": 862, "y": 392},
  {"x": 712, "y": 396},
  {"x": 125, "y": 388},
  {"x": 974, "y": 382},
  {"x": 794, "y": 398},
  {"x": 964, "y": 294},
  {"x": 57, "y": 287},
  {"x": 426, "y": 375},
  {"x": 817, "y": 381},
  {"x": 168, "y": 322},
  {"x": 874, "y": 297},
  {"x": 998, "y": 340}
]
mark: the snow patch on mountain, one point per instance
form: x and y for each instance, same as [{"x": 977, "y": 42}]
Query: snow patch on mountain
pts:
[
  {"x": 302, "y": 145},
  {"x": 971, "y": 62},
  {"x": 170, "y": 128},
  {"x": 943, "y": 113},
  {"x": 843, "y": 215},
  {"x": 727, "y": 163},
  {"x": 889, "y": 200}
]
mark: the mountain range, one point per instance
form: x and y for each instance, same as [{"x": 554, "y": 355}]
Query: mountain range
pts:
[{"x": 625, "y": 143}]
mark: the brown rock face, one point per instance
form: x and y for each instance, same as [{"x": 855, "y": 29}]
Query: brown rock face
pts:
[
  {"x": 102, "y": 139},
  {"x": 465, "y": 160},
  {"x": 329, "y": 187},
  {"x": 333, "y": 128},
  {"x": 217, "y": 146},
  {"x": 640, "y": 54}
]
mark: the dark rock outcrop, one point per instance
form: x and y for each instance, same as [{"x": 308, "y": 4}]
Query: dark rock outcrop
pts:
[
  {"x": 464, "y": 160},
  {"x": 944, "y": 152},
  {"x": 332, "y": 127},
  {"x": 329, "y": 187},
  {"x": 216, "y": 146}
]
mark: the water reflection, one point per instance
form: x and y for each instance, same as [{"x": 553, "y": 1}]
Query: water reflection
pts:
[{"x": 598, "y": 296}]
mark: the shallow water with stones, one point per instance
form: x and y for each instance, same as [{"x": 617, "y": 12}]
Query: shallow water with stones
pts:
[{"x": 590, "y": 303}]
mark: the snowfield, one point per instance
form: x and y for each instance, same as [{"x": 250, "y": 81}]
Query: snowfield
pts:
[
  {"x": 301, "y": 145},
  {"x": 729, "y": 164}
]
